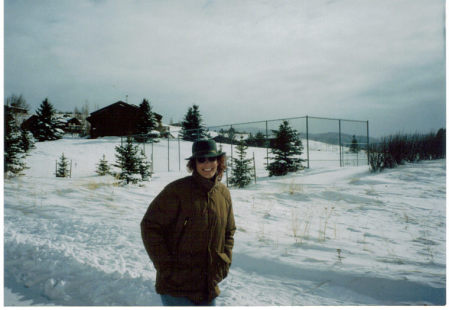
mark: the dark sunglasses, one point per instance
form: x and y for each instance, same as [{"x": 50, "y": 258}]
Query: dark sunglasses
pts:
[{"x": 203, "y": 159}]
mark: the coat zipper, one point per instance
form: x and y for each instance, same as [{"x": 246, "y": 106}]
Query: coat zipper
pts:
[{"x": 181, "y": 234}]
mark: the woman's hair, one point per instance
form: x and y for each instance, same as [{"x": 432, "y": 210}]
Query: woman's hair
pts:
[{"x": 221, "y": 160}]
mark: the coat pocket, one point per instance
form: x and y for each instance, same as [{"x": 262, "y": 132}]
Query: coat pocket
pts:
[{"x": 222, "y": 266}]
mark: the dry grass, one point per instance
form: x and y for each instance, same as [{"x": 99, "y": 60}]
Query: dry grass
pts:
[
  {"x": 327, "y": 214},
  {"x": 94, "y": 185},
  {"x": 301, "y": 228},
  {"x": 294, "y": 188}
]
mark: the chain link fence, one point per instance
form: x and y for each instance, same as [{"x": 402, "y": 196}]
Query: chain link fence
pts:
[{"x": 327, "y": 142}]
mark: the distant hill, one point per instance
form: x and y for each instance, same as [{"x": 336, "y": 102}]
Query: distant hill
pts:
[{"x": 333, "y": 138}]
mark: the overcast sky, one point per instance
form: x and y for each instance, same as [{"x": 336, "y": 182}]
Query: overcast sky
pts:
[{"x": 376, "y": 60}]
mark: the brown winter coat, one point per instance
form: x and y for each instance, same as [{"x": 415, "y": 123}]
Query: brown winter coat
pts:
[{"x": 188, "y": 233}]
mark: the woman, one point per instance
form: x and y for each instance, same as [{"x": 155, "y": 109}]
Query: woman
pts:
[{"x": 188, "y": 231}]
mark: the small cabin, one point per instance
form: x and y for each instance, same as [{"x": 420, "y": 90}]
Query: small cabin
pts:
[{"x": 117, "y": 119}]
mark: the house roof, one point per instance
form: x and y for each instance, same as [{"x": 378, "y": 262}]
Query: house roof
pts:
[
  {"x": 123, "y": 105},
  {"x": 118, "y": 103},
  {"x": 16, "y": 109},
  {"x": 74, "y": 120}
]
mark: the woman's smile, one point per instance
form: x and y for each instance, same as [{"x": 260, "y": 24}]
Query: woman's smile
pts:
[{"x": 207, "y": 169}]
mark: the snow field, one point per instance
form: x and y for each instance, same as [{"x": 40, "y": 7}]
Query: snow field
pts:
[{"x": 323, "y": 236}]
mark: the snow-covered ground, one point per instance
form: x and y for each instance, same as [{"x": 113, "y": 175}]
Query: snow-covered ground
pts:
[{"x": 323, "y": 236}]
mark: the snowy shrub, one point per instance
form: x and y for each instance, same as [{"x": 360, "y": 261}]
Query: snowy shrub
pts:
[
  {"x": 399, "y": 149},
  {"x": 62, "y": 167},
  {"x": 103, "y": 167},
  {"x": 144, "y": 167},
  {"x": 376, "y": 160},
  {"x": 133, "y": 166},
  {"x": 241, "y": 168}
]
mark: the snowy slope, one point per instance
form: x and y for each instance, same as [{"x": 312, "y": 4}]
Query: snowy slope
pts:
[{"x": 324, "y": 236}]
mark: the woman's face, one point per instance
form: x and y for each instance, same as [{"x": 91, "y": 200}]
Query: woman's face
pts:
[{"x": 206, "y": 167}]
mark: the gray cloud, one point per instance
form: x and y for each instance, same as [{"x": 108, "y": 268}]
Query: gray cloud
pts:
[{"x": 239, "y": 60}]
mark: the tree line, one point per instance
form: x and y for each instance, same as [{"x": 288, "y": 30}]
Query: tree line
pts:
[
  {"x": 398, "y": 149},
  {"x": 286, "y": 146}
]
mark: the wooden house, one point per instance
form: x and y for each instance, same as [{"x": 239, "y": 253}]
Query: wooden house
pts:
[
  {"x": 117, "y": 119},
  {"x": 73, "y": 125},
  {"x": 30, "y": 124}
]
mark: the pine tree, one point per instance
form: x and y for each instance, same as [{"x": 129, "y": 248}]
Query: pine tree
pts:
[
  {"x": 62, "y": 170},
  {"x": 260, "y": 139},
  {"x": 231, "y": 135},
  {"x": 14, "y": 157},
  {"x": 147, "y": 121},
  {"x": 354, "y": 147},
  {"x": 286, "y": 147},
  {"x": 103, "y": 167},
  {"x": 144, "y": 166},
  {"x": 241, "y": 169},
  {"x": 127, "y": 159},
  {"x": 46, "y": 125},
  {"x": 192, "y": 128},
  {"x": 26, "y": 140}
]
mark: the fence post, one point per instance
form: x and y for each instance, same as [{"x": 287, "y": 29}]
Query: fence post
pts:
[
  {"x": 266, "y": 139},
  {"x": 232, "y": 148},
  {"x": 307, "y": 138},
  {"x": 254, "y": 163},
  {"x": 179, "y": 153},
  {"x": 339, "y": 139},
  {"x": 152, "y": 160},
  {"x": 367, "y": 141},
  {"x": 168, "y": 152}
]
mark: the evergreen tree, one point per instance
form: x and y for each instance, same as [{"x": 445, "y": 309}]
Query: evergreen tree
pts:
[
  {"x": 14, "y": 157},
  {"x": 62, "y": 170},
  {"x": 260, "y": 139},
  {"x": 354, "y": 147},
  {"x": 192, "y": 128},
  {"x": 128, "y": 160},
  {"x": 231, "y": 135},
  {"x": 241, "y": 169},
  {"x": 46, "y": 128},
  {"x": 103, "y": 167},
  {"x": 286, "y": 147},
  {"x": 26, "y": 140},
  {"x": 144, "y": 166},
  {"x": 147, "y": 120}
]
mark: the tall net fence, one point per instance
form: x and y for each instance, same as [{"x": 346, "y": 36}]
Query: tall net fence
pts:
[{"x": 326, "y": 142}]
